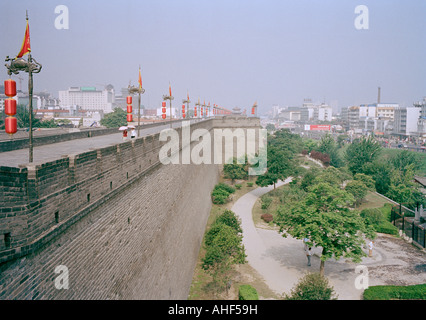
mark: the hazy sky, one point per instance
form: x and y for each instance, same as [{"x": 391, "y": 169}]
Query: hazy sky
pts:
[{"x": 231, "y": 53}]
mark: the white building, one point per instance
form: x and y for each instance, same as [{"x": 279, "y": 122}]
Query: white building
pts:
[
  {"x": 325, "y": 113},
  {"x": 386, "y": 110},
  {"x": 88, "y": 98},
  {"x": 421, "y": 121},
  {"x": 405, "y": 120}
]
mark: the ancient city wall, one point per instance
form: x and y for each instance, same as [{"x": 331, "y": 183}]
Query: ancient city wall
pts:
[{"x": 125, "y": 225}]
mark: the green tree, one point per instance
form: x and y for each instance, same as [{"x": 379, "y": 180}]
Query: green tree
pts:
[
  {"x": 405, "y": 160},
  {"x": 325, "y": 218},
  {"x": 280, "y": 167},
  {"x": 332, "y": 176},
  {"x": 328, "y": 146},
  {"x": 224, "y": 250},
  {"x": 270, "y": 127},
  {"x": 284, "y": 140},
  {"x": 362, "y": 152},
  {"x": 310, "y": 145},
  {"x": 407, "y": 195},
  {"x": 358, "y": 189},
  {"x": 313, "y": 286},
  {"x": 236, "y": 170},
  {"x": 115, "y": 119},
  {"x": 381, "y": 172},
  {"x": 367, "y": 180},
  {"x": 308, "y": 178}
]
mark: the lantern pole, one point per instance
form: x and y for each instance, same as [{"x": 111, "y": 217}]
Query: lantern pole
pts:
[
  {"x": 31, "y": 66},
  {"x": 30, "y": 93},
  {"x": 198, "y": 104},
  {"x": 170, "y": 98},
  {"x": 187, "y": 101},
  {"x": 134, "y": 90}
]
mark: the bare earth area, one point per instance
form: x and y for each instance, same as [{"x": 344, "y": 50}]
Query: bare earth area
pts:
[{"x": 280, "y": 262}]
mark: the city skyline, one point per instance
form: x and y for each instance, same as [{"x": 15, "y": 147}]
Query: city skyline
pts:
[{"x": 231, "y": 53}]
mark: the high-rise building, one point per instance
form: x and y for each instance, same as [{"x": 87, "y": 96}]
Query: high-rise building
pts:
[{"x": 88, "y": 98}]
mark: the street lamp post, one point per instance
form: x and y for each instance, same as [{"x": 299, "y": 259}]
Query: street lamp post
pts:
[
  {"x": 204, "y": 108},
  {"x": 187, "y": 101},
  {"x": 170, "y": 98},
  {"x": 31, "y": 66},
  {"x": 198, "y": 105},
  {"x": 139, "y": 91}
]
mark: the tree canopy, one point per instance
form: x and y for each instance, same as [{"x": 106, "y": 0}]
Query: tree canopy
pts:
[{"x": 115, "y": 119}]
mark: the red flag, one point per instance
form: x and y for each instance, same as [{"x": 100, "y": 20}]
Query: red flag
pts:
[
  {"x": 26, "y": 47},
  {"x": 140, "y": 79},
  {"x": 170, "y": 90}
]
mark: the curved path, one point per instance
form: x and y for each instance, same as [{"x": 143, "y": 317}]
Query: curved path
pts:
[{"x": 282, "y": 262}]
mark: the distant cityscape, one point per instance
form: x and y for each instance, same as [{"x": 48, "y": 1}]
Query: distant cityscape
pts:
[{"x": 86, "y": 106}]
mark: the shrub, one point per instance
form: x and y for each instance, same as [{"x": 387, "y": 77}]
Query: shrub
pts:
[
  {"x": 229, "y": 218},
  {"x": 225, "y": 187},
  {"x": 221, "y": 193},
  {"x": 372, "y": 216},
  {"x": 267, "y": 217},
  {"x": 323, "y": 157},
  {"x": 220, "y": 199},
  {"x": 249, "y": 184},
  {"x": 312, "y": 286},
  {"x": 414, "y": 292},
  {"x": 247, "y": 292},
  {"x": 238, "y": 186}
]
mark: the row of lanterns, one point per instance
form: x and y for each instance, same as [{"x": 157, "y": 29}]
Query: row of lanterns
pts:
[
  {"x": 11, "y": 123},
  {"x": 129, "y": 109},
  {"x": 163, "y": 110}
]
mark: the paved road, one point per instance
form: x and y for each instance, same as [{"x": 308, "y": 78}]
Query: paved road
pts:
[
  {"x": 281, "y": 261},
  {"x": 54, "y": 151}
]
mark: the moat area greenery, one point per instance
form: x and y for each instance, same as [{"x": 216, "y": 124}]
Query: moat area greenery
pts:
[{"x": 337, "y": 194}]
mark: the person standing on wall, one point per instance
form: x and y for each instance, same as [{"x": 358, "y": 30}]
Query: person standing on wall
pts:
[{"x": 133, "y": 133}]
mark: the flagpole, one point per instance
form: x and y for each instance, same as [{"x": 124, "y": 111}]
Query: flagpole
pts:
[
  {"x": 30, "y": 93},
  {"x": 139, "y": 105},
  {"x": 31, "y": 66},
  {"x": 30, "y": 106}
]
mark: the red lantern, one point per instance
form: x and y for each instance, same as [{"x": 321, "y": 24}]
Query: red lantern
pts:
[
  {"x": 252, "y": 110},
  {"x": 195, "y": 111},
  {"x": 129, "y": 108},
  {"x": 163, "y": 116},
  {"x": 129, "y": 117},
  {"x": 129, "y": 99},
  {"x": 163, "y": 104},
  {"x": 11, "y": 125},
  {"x": 10, "y": 107},
  {"x": 201, "y": 112},
  {"x": 10, "y": 88},
  {"x": 163, "y": 110}
]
